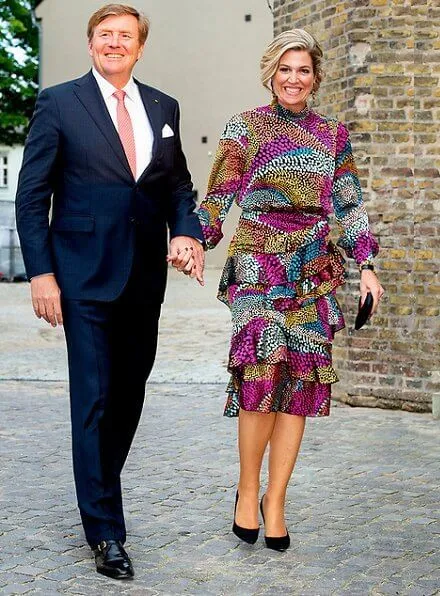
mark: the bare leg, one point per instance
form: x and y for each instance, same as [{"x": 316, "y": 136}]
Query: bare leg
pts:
[
  {"x": 284, "y": 447},
  {"x": 254, "y": 431}
]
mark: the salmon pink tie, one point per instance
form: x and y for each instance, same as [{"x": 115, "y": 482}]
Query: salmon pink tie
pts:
[{"x": 125, "y": 130}]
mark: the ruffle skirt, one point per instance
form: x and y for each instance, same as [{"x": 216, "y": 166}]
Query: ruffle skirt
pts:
[{"x": 284, "y": 317}]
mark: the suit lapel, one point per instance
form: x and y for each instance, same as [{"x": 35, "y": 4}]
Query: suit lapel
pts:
[
  {"x": 153, "y": 108},
  {"x": 88, "y": 93}
]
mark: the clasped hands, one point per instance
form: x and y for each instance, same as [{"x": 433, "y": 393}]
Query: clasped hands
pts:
[{"x": 186, "y": 254}]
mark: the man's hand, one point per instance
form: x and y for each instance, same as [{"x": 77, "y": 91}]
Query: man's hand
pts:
[
  {"x": 45, "y": 294},
  {"x": 186, "y": 254}
]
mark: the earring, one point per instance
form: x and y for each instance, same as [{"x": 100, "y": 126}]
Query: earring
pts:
[{"x": 271, "y": 86}]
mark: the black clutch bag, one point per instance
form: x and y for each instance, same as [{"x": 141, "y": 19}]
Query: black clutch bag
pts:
[{"x": 364, "y": 311}]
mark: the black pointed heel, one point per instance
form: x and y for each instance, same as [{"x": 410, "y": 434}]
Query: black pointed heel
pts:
[
  {"x": 247, "y": 535},
  {"x": 280, "y": 543}
]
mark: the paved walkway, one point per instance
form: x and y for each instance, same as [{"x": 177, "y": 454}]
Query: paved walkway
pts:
[{"x": 363, "y": 508}]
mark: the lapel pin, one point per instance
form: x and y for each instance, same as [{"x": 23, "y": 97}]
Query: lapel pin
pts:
[{"x": 156, "y": 101}]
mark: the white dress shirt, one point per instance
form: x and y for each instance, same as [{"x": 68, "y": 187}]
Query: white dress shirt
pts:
[{"x": 143, "y": 133}]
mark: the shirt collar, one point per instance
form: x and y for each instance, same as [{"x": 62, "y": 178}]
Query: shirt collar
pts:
[{"x": 107, "y": 89}]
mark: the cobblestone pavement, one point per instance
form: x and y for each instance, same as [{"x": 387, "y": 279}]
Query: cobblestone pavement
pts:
[{"x": 363, "y": 509}]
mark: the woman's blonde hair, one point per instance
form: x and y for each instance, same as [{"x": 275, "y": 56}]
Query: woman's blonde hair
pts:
[
  {"x": 293, "y": 39},
  {"x": 116, "y": 10}
]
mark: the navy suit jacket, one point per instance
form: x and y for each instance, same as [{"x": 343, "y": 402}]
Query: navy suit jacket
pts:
[{"x": 78, "y": 206}]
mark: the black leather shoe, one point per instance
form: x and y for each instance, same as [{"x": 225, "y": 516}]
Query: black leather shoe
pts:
[
  {"x": 280, "y": 543},
  {"x": 247, "y": 535},
  {"x": 112, "y": 560}
]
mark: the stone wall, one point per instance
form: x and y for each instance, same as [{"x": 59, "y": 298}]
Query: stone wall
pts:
[{"x": 382, "y": 79}]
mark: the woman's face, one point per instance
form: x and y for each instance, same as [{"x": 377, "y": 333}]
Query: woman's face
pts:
[{"x": 293, "y": 81}]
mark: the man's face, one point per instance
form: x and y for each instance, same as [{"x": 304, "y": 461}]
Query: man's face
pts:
[{"x": 115, "y": 47}]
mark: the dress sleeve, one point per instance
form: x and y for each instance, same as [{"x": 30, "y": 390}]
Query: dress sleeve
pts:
[
  {"x": 224, "y": 181},
  {"x": 356, "y": 238}
]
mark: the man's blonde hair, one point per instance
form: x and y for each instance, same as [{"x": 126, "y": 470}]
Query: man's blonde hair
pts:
[
  {"x": 116, "y": 10},
  {"x": 293, "y": 39}
]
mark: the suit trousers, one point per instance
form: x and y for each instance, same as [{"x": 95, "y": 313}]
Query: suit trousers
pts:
[{"x": 111, "y": 349}]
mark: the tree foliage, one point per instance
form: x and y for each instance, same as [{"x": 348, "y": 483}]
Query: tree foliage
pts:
[{"x": 18, "y": 68}]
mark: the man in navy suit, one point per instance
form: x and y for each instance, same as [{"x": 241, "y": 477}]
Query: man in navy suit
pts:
[{"x": 103, "y": 180}]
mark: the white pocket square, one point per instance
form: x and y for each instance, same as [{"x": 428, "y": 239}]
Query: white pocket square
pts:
[{"x": 167, "y": 131}]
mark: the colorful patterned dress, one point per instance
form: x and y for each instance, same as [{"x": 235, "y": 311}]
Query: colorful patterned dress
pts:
[{"x": 287, "y": 171}]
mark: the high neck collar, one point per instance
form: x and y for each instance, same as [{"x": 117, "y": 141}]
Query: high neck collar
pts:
[{"x": 289, "y": 114}]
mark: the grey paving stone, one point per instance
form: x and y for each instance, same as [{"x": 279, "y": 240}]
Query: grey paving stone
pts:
[
  {"x": 419, "y": 591},
  {"x": 387, "y": 589},
  {"x": 10, "y": 577},
  {"x": 15, "y": 589},
  {"x": 429, "y": 583}
]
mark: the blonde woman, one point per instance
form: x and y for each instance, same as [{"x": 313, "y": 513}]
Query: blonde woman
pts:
[{"x": 288, "y": 168}]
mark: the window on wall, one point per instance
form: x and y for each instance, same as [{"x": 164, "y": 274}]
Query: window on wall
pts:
[{"x": 3, "y": 171}]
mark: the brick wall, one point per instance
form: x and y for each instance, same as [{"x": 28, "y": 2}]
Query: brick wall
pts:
[{"x": 382, "y": 65}]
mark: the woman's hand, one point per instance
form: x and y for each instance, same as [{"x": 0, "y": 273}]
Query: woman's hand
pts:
[{"x": 370, "y": 283}]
